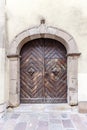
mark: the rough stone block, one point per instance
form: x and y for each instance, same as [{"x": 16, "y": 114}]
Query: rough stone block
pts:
[
  {"x": 14, "y": 100},
  {"x": 13, "y": 69},
  {"x": 13, "y": 87}
]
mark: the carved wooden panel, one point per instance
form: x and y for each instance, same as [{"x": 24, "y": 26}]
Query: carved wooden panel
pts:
[{"x": 43, "y": 72}]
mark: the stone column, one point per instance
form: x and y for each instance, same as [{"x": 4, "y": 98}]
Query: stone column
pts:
[
  {"x": 72, "y": 78},
  {"x": 14, "y": 90},
  {"x": 2, "y": 57}
]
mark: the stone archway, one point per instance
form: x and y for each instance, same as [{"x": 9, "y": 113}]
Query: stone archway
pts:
[{"x": 43, "y": 31}]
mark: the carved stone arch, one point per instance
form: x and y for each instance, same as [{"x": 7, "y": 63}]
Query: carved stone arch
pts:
[{"x": 43, "y": 31}]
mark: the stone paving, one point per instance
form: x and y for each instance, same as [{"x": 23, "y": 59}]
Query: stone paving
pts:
[{"x": 43, "y": 117}]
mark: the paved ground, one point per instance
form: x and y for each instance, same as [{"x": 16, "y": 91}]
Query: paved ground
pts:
[{"x": 43, "y": 117}]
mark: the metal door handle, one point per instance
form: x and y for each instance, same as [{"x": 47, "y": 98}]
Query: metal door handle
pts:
[
  {"x": 55, "y": 72},
  {"x": 31, "y": 72}
]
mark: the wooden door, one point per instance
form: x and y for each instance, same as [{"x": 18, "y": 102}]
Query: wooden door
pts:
[{"x": 43, "y": 72}]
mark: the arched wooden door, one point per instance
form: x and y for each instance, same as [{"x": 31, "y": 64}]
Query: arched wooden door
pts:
[{"x": 43, "y": 72}]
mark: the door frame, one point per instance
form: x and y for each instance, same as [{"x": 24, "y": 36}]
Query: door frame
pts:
[{"x": 43, "y": 31}]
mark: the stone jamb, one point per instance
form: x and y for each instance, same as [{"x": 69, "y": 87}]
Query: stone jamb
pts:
[{"x": 43, "y": 31}]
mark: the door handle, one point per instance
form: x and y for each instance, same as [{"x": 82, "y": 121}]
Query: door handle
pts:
[
  {"x": 55, "y": 72},
  {"x": 31, "y": 71}
]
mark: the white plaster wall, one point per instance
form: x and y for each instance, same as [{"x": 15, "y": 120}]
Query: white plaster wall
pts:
[
  {"x": 2, "y": 75},
  {"x": 82, "y": 95},
  {"x": 69, "y": 15},
  {"x": 2, "y": 55}
]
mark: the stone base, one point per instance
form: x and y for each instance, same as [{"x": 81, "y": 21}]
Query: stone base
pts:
[
  {"x": 2, "y": 110},
  {"x": 82, "y": 107},
  {"x": 22, "y": 108}
]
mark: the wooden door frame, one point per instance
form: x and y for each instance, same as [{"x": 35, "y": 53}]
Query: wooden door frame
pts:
[{"x": 43, "y": 31}]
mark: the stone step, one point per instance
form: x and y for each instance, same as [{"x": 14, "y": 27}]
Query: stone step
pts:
[{"x": 42, "y": 107}]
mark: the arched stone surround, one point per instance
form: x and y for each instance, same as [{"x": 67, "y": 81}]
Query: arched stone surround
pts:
[{"x": 43, "y": 31}]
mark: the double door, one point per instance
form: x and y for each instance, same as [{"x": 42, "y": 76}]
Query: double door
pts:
[{"x": 43, "y": 72}]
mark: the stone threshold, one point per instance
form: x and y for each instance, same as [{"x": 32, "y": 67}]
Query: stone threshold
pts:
[{"x": 43, "y": 108}]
